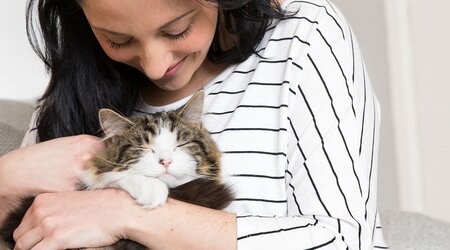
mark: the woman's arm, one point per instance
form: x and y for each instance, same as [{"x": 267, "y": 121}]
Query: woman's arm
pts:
[
  {"x": 100, "y": 218},
  {"x": 180, "y": 225},
  {"x": 52, "y": 166}
]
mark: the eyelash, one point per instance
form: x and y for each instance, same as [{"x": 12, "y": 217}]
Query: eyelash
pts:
[
  {"x": 183, "y": 144},
  {"x": 177, "y": 37},
  {"x": 118, "y": 46},
  {"x": 181, "y": 35}
]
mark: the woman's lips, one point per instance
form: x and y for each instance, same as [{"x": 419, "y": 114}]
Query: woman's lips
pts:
[{"x": 174, "y": 69}]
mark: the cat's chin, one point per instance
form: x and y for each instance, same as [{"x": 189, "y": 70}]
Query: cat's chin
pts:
[{"x": 173, "y": 181}]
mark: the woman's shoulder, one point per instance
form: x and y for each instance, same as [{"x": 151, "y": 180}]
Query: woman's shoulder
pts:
[{"x": 313, "y": 14}]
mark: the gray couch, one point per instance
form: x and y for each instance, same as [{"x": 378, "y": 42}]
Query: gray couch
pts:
[{"x": 402, "y": 230}]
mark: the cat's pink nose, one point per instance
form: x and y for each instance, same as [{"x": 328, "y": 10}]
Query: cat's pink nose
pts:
[{"x": 165, "y": 163}]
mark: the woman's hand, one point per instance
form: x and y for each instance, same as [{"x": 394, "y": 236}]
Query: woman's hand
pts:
[
  {"x": 51, "y": 166},
  {"x": 74, "y": 219}
]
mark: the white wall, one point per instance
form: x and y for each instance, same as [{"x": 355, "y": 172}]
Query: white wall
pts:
[
  {"x": 372, "y": 41},
  {"x": 22, "y": 75},
  {"x": 431, "y": 51}
]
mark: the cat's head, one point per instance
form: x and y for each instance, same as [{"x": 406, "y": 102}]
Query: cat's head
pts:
[{"x": 172, "y": 146}]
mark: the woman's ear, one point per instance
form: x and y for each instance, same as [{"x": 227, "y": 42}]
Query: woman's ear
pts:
[{"x": 112, "y": 123}]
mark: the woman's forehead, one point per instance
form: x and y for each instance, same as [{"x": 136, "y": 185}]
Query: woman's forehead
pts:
[{"x": 158, "y": 12}]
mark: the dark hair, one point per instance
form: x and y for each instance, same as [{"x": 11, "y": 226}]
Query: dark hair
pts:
[{"x": 84, "y": 79}]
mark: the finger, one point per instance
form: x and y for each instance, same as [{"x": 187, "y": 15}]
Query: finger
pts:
[
  {"x": 25, "y": 225},
  {"x": 47, "y": 244},
  {"x": 29, "y": 239}
]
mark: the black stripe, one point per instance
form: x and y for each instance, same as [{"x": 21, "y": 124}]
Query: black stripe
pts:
[
  {"x": 218, "y": 82},
  {"x": 260, "y": 200},
  {"x": 331, "y": 6},
  {"x": 322, "y": 245},
  {"x": 282, "y": 61},
  {"x": 247, "y": 106},
  {"x": 364, "y": 113},
  {"x": 289, "y": 39},
  {"x": 339, "y": 122},
  {"x": 326, "y": 10},
  {"x": 339, "y": 225},
  {"x": 268, "y": 83},
  {"x": 380, "y": 247},
  {"x": 227, "y": 92},
  {"x": 353, "y": 53},
  {"x": 35, "y": 128},
  {"x": 243, "y": 72},
  {"x": 259, "y": 176},
  {"x": 276, "y": 61},
  {"x": 340, "y": 67},
  {"x": 371, "y": 159},
  {"x": 306, "y": 166},
  {"x": 271, "y": 232},
  {"x": 292, "y": 91},
  {"x": 254, "y": 152},
  {"x": 289, "y": 173},
  {"x": 374, "y": 224},
  {"x": 299, "y": 18},
  {"x": 248, "y": 129},
  {"x": 298, "y": 66},
  {"x": 295, "y": 198}
]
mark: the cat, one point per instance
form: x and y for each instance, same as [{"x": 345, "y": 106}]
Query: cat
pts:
[{"x": 152, "y": 157}]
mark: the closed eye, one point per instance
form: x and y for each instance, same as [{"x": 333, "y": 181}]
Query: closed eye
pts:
[
  {"x": 183, "y": 144},
  {"x": 145, "y": 149},
  {"x": 117, "y": 46}
]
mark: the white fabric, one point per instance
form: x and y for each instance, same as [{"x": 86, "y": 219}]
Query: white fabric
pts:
[{"x": 298, "y": 130}]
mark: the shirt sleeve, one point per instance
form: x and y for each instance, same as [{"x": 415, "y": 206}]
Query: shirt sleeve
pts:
[
  {"x": 30, "y": 136},
  {"x": 333, "y": 131}
]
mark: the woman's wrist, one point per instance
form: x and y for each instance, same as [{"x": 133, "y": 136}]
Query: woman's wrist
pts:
[{"x": 177, "y": 224}]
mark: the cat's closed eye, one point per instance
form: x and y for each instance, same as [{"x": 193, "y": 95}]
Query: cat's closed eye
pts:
[{"x": 183, "y": 144}]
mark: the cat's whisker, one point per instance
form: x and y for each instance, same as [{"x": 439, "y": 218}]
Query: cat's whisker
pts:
[{"x": 110, "y": 162}]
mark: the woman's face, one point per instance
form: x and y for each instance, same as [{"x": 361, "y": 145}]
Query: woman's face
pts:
[{"x": 167, "y": 40}]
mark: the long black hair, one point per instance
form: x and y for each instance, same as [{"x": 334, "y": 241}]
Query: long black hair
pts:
[{"x": 83, "y": 79}]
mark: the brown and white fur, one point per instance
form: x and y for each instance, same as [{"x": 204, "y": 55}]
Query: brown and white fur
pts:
[{"x": 153, "y": 157}]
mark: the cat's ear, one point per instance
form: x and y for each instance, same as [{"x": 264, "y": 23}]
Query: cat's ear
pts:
[
  {"x": 112, "y": 122},
  {"x": 193, "y": 110}
]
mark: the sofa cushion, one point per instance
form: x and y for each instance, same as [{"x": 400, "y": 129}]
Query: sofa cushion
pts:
[
  {"x": 410, "y": 231},
  {"x": 10, "y": 138}
]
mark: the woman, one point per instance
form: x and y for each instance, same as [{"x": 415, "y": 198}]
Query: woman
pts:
[{"x": 287, "y": 100}]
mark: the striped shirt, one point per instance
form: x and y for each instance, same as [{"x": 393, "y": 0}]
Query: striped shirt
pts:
[{"x": 298, "y": 129}]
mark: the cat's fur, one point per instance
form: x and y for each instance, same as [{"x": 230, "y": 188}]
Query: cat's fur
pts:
[{"x": 152, "y": 157}]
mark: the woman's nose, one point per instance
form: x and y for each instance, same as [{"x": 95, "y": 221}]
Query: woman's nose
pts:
[{"x": 155, "y": 61}]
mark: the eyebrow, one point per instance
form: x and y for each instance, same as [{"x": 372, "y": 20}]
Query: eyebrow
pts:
[{"x": 164, "y": 26}]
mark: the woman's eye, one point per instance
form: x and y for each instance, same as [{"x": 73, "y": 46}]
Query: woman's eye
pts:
[
  {"x": 117, "y": 46},
  {"x": 181, "y": 35}
]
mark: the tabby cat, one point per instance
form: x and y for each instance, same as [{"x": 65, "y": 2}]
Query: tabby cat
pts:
[{"x": 152, "y": 157}]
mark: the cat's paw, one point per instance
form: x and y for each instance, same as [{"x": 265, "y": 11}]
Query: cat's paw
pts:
[
  {"x": 153, "y": 195},
  {"x": 148, "y": 192}
]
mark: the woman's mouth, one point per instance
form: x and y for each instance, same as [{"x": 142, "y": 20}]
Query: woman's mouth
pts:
[{"x": 174, "y": 68}]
